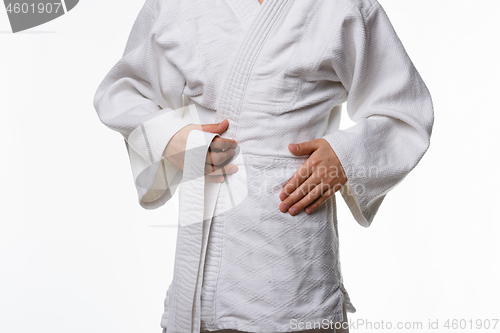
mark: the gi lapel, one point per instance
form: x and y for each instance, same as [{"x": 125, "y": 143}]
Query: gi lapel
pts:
[
  {"x": 245, "y": 10},
  {"x": 184, "y": 303},
  {"x": 234, "y": 85}
]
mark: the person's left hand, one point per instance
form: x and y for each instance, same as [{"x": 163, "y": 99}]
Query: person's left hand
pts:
[{"x": 315, "y": 181}]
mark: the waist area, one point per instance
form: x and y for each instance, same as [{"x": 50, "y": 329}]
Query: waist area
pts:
[
  {"x": 258, "y": 181},
  {"x": 247, "y": 157}
]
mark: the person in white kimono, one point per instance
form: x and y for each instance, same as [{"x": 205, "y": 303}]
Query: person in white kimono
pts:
[{"x": 204, "y": 86}]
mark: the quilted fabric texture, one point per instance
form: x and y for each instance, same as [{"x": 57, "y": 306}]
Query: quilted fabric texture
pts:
[
  {"x": 280, "y": 73},
  {"x": 265, "y": 270}
]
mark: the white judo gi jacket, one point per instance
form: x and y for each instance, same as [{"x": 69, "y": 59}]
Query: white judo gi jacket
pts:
[{"x": 279, "y": 72}]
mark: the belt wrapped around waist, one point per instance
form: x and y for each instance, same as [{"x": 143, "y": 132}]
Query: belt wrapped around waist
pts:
[{"x": 199, "y": 202}]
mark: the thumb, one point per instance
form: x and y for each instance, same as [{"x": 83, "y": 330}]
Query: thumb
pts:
[
  {"x": 303, "y": 148},
  {"x": 216, "y": 128}
]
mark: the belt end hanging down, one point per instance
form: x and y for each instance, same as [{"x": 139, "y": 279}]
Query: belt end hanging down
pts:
[{"x": 185, "y": 303}]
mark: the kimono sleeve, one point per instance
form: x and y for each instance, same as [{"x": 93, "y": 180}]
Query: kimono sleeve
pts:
[
  {"x": 141, "y": 98},
  {"x": 390, "y": 105}
]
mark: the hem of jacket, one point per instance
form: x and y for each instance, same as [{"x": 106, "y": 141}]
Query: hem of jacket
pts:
[{"x": 232, "y": 324}]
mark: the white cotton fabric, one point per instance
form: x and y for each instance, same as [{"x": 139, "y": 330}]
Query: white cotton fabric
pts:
[{"x": 280, "y": 73}]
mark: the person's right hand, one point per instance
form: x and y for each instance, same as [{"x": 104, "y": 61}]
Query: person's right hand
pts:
[{"x": 219, "y": 151}]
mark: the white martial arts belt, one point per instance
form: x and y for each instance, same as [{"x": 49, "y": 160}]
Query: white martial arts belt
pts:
[{"x": 197, "y": 202}]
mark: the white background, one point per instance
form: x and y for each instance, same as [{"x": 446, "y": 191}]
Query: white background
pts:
[{"x": 78, "y": 253}]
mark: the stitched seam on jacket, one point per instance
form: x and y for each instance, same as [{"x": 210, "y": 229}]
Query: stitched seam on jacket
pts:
[{"x": 150, "y": 10}]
